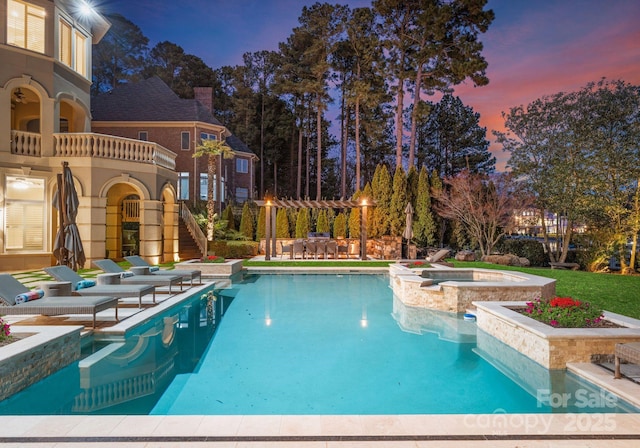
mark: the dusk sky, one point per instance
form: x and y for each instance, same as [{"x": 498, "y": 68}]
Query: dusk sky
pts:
[{"x": 534, "y": 48}]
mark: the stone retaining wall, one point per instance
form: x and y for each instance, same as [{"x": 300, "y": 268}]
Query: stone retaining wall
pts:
[
  {"x": 552, "y": 347},
  {"x": 41, "y": 352}
]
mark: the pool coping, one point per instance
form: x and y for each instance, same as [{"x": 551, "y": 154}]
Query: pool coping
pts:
[{"x": 488, "y": 428}]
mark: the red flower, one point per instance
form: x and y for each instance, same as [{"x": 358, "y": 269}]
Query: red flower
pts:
[{"x": 564, "y": 302}]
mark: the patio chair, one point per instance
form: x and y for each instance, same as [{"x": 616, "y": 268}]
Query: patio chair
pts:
[
  {"x": 132, "y": 278},
  {"x": 66, "y": 274},
  {"x": 312, "y": 249},
  {"x": 297, "y": 248},
  {"x": 187, "y": 274},
  {"x": 10, "y": 289},
  {"x": 354, "y": 249},
  {"x": 284, "y": 248},
  {"x": 332, "y": 248},
  {"x": 321, "y": 249}
]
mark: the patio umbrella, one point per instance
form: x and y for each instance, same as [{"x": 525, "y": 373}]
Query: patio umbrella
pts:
[
  {"x": 408, "y": 227},
  {"x": 68, "y": 246}
]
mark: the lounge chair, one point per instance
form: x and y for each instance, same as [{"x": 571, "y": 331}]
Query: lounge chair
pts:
[
  {"x": 10, "y": 289},
  {"x": 187, "y": 274},
  {"x": 66, "y": 274},
  {"x": 131, "y": 278},
  {"x": 438, "y": 256}
]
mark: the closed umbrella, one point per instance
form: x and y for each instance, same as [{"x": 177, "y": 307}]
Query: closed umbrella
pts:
[
  {"x": 68, "y": 248},
  {"x": 408, "y": 230}
]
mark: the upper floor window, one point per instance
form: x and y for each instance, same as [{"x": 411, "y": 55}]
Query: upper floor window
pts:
[
  {"x": 207, "y": 136},
  {"x": 72, "y": 49},
  {"x": 185, "y": 140},
  {"x": 25, "y": 25},
  {"x": 242, "y": 165},
  {"x": 143, "y": 135}
]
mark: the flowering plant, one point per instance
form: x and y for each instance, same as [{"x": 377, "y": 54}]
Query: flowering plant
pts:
[
  {"x": 564, "y": 312},
  {"x": 212, "y": 259},
  {"x": 416, "y": 264},
  {"x": 5, "y": 331}
]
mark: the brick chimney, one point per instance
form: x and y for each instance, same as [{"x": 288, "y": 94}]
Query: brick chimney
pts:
[{"x": 205, "y": 96}]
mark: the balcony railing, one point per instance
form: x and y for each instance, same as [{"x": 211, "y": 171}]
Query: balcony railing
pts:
[
  {"x": 94, "y": 145},
  {"x": 26, "y": 143},
  {"x": 115, "y": 148}
]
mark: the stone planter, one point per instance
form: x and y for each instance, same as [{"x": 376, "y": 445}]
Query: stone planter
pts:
[
  {"x": 226, "y": 269},
  {"x": 455, "y": 290},
  {"x": 40, "y": 352},
  {"x": 553, "y": 347}
]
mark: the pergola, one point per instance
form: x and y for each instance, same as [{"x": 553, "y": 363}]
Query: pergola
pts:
[{"x": 270, "y": 214}]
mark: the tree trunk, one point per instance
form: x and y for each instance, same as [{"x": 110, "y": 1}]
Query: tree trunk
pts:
[
  {"x": 414, "y": 117},
  {"x": 357, "y": 124},
  {"x": 545, "y": 237},
  {"x": 319, "y": 149},
  {"x": 211, "y": 173},
  {"x": 399, "y": 121},
  {"x": 343, "y": 146},
  {"x": 299, "y": 174},
  {"x": 566, "y": 241},
  {"x": 262, "y": 148},
  {"x": 635, "y": 229}
]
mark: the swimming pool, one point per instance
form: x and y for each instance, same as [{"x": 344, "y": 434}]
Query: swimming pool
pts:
[{"x": 303, "y": 344}]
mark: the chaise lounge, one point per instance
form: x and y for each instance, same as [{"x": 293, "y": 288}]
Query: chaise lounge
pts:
[
  {"x": 10, "y": 289},
  {"x": 66, "y": 274},
  {"x": 131, "y": 278},
  {"x": 187, "y": 274}
]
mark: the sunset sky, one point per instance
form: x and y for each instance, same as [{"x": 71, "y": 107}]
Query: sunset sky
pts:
[{"x": 534, "y": 48}]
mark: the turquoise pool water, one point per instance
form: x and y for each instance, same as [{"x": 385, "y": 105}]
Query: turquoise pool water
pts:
[{"x": 307, "y": 344}]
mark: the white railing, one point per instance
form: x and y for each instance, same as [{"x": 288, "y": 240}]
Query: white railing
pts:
[
  {"x": 26, "y": 143},
  {"x": 110, "y": 147},
  {"x": 193, "y": 227}
]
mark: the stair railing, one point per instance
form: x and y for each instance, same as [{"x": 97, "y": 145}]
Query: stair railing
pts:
[{"x": 194, "y": 229}]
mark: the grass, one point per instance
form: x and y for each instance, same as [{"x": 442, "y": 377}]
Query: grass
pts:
[{"x": 612, "y": 292}]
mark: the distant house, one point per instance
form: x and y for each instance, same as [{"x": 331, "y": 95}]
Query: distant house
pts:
[{"x": 150, "y": 110}]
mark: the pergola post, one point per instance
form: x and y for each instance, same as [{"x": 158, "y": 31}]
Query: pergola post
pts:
[
  {"x": 363, "y": 231},
  {"x": 273, "y": 232},
  {"x": 267, "y": 231}
]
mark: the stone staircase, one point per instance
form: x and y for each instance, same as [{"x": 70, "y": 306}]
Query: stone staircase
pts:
[{"x": 188, "y": 248}]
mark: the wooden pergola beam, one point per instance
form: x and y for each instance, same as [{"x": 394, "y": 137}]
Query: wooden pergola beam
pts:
[{"x": 299, "y": 203}]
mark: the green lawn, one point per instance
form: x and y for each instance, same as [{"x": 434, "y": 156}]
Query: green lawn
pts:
[{"x": 612, "y": 292}]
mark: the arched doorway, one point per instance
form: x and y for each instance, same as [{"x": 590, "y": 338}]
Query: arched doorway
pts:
[
  {"x": 123, "y": 221},
  {"x": 130, "y": 241}
]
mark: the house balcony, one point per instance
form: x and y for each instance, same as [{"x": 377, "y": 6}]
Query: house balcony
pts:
[{"x": 94, "y": 145}]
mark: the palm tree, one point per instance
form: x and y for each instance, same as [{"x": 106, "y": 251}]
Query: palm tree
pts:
[{"x": 213, "y": 149}]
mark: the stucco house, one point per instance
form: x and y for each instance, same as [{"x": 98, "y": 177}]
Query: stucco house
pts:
[
  {"x": 126, "y": 186},
  {"x": 150, "y": 110}
]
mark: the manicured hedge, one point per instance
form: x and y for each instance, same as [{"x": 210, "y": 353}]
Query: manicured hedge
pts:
[{"x": 233, "y": 249}]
